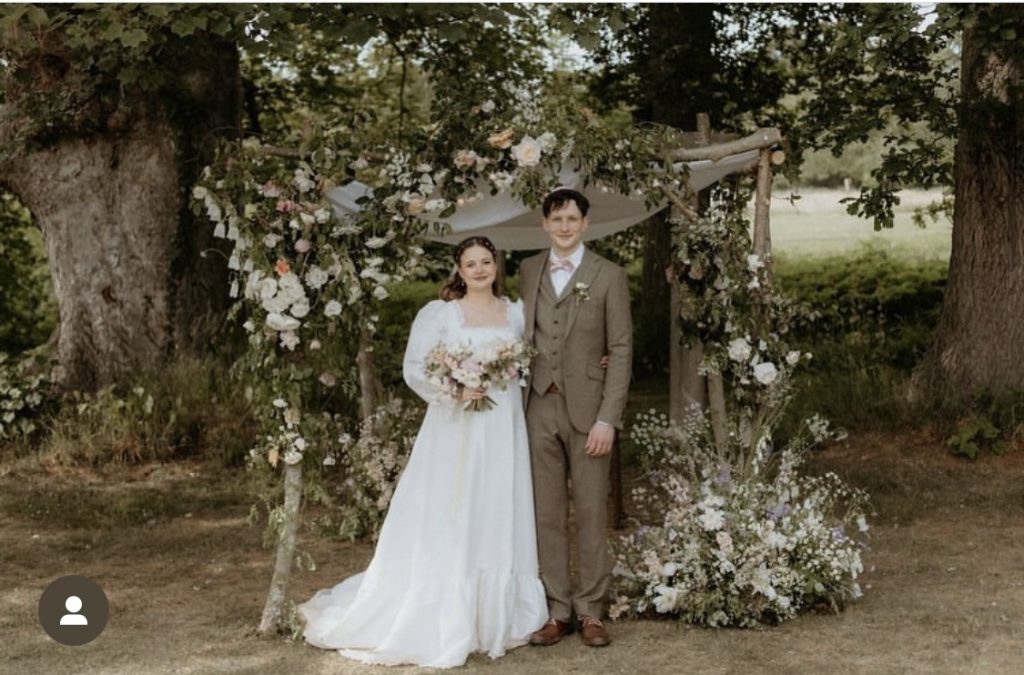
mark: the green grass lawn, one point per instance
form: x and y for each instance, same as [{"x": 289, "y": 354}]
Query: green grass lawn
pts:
[{"x": 817, "y": 225}]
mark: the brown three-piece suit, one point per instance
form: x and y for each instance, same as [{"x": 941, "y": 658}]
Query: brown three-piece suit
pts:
[{"x": 569, "y": 391}]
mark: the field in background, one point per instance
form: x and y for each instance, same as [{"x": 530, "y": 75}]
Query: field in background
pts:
[{"x": 816, "y": 224}]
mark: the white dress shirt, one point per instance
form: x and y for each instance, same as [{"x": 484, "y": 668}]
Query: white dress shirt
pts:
[{"x": 560, "y": 277}]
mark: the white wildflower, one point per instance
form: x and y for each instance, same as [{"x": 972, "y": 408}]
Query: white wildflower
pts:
[
  {"x": 765, "y": 373},
  {"x": 739, "y": 349}
]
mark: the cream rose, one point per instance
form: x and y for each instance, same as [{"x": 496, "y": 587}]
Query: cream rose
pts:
[{"x": 527, "y": 151}]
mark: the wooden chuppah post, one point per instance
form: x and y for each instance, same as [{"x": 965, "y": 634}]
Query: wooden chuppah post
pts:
[
  {"x": 683, "y": 365},
  {"x": 686, "y": 385},
  {"x": 762, "y": 203}
]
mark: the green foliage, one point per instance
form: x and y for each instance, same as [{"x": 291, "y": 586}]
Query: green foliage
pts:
[
  {"x": 26, "y": 396},
  {"x": 880, "y": 68},
  {"x": 867, "y": 320},
  {"x": 991, "y": 421},
  {"x": 973, "y": 433},
  {"x": 874, "y": 301},
  {"x": 28, "y": 311},
  {"x": 184, "y": 408}
]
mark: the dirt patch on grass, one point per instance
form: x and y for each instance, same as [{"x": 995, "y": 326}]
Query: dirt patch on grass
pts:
[{"x": 186, "y": 576}]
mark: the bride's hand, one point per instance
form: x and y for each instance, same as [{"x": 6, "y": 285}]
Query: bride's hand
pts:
[{"x": 473, "y": 394}]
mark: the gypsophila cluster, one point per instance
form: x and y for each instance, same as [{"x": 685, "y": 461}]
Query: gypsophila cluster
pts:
[
  {"x": 731, "y": 545},
  {"x": 372, "y": 465}
]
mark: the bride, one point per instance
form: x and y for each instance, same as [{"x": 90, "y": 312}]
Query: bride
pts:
[{"x": 455, "y": 568}]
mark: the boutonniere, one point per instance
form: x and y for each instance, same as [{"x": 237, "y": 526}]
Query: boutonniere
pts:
[{"x": 581, "y": 292}]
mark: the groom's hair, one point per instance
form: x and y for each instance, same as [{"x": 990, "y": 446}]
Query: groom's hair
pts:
[{"x": 559, "y": 198}]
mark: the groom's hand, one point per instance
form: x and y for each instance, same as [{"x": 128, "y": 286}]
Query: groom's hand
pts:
[{"x": 600, "y": 439}]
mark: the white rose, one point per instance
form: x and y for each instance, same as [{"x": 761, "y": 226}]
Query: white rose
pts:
[
  {"x": 333, "y": 308},
  {"x": 302, "y": 181},
  {"x": 754, "y": 262},
  {"x": 666, "y": 600},
  {"x": 739, "y": 349},
  {"x": 268, "y": 288},
  {"x": 300, "y": 309},
  {"x": 281, "y": 322},
  {"x": 289, "y": 340},
  {"x": 380, "y": 292},
  {"x": 270, "y": 241},
  {"x": 277, "y": 304},
  {"x": 316, "y": 277},
  {"x": 527, "y": 152},
  {"x": 669, "y": 569},
  {"x": 376, "y": 242},
  {"x": 792, "y": 358},
  {"x": 765, "y": 373}
]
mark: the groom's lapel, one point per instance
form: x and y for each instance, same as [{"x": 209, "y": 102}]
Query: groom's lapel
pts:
[{"x": 586, "y": 274}]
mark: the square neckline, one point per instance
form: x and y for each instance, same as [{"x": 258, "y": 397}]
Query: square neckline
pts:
[{"x": 464, "y": 324}]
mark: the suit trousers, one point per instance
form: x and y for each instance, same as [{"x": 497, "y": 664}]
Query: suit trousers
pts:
[{"x": 557, "y": 454}]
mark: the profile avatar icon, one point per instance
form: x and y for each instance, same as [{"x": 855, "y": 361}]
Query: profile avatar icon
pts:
[
  {"x": 61, "y": 612},
  {"x": 73, "y": 604}
]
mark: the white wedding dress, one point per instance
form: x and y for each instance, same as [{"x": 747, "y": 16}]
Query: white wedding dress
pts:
[{"x": 455, "y": 568}]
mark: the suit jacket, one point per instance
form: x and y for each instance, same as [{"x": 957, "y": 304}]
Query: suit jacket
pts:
[{"x": 598, "y": 325}]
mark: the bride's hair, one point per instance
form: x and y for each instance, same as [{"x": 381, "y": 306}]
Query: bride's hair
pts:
[{"x": 456, "y": 286}]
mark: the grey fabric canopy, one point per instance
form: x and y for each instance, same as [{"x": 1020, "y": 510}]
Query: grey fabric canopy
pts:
[{"x": 513, "y": 226}]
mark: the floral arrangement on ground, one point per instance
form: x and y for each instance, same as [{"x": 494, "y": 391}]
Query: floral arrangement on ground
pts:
[{"x": 737, "y": 543}]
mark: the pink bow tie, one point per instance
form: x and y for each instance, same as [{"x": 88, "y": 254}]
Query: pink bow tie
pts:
[{"x": 560, "y": 264}]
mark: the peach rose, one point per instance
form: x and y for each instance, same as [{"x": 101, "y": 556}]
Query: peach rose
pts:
[{"x": 501, "y": 140}]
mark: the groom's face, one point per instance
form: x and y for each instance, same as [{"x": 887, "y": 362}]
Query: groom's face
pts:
[{"x": 565, "y": 226}]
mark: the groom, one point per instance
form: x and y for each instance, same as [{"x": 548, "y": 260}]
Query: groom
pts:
[{"x": 577, "y": 311}]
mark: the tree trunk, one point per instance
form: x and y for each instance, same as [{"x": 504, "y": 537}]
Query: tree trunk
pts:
[
  {"x": 678, "y": 62},
  {"x": 108, "y": 208},
  {"x": 978, "y": 341},
  {"x": 123, "y": 246}
]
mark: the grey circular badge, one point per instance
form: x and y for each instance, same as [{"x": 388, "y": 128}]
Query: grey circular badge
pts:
[{"x": 73, "y": 610}]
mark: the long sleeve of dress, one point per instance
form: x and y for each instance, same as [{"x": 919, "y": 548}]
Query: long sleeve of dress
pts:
[{"x": 428, "y": 329}]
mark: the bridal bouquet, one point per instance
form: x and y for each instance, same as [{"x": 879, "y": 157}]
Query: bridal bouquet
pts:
[{"x": 498, "y": 364}]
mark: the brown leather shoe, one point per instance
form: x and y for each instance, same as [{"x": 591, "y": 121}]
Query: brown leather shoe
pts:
[
  {"x": 593, "y": 632},
  {"x": 553, "y": 631}
]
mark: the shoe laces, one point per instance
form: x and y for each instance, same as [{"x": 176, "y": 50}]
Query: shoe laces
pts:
[{"x": 591, "y": 621}]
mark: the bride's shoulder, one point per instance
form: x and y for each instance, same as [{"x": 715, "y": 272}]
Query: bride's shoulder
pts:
[{"x": 435, "y": 309}]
